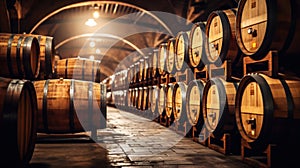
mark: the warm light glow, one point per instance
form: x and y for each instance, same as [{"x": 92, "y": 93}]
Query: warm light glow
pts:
[
  {"x": 98, "y": 51},
  {"x": 91, "y": 22},
  {"x": 92, "y": 44},
  {"x": 254, "y": 45},
  {"x": 96, "y": 14}
]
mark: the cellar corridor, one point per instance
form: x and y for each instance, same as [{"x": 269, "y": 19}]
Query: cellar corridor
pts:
[
  {"x": 128, "y": 141},
  {"x": 160, "y": 83}
]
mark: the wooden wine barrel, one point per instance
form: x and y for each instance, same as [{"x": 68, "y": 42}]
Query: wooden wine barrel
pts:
[
  {"x": 267, "y": 110},
  {"x": 120, "y": 98},
  {"x": 18, "y": 119},
  {"x": 169, "y": 101},
  {"x": 218, "y": 105},
  {"x": 141, "y": 69},
  {"x": 56, "y": 58},
  {"x": 162, "y": 55},
  {"x": 124, "y": 79},
  {"x": 116, "y": 98},
  {"x": 182, "y": 51},
  {"x": 140, "y": 98},
  {"x": 170, "y": 60},
  {"x": 123, "y": 99},
  {"x": 197, "y": 56},
  {"x": 47, "y": 56},
  {"x": 179, "y": 102},
  {"x": 145, "y": 99},
  {"x": 162, "y": 100},
  {"x": 135, "y": 97},
  {"x": 78, "y": 68},
  {"x": 129, "y": 98},
  {"x": 154, "y": 64},
  {"x": 145, "y": 70},
  {"x": 136, "y": 72},
  {"x": 154, "y": 100},
  {"x": 149, "y": 98},
  {"x": 70, "y": 106},
  {"x": 19, "y": 56},
  {"x": 194, "y": 103},
  {"x": 221, "y": 43},
  {"x": 266, "y": 25},
  {"x": 130, "y": 73},
  {"x": 149, "y": 64},
  {"x": 116, "y": 81}
]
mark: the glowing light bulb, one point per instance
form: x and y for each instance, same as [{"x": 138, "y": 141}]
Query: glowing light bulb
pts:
[
  {"x": 92, "y": 44},
  {"x": 96, "y": 14},
  {"x": 98, "y": 51},
  {"x": 91, "y": 22}
]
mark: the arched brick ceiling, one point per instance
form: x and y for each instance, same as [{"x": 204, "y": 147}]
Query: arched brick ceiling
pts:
[{"x": 143, "y": 30}]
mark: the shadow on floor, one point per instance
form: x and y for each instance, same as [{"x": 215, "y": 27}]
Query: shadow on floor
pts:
[{"x": 59, "y": 151}]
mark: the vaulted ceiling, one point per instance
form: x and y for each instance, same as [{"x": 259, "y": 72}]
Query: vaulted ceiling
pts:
[{"x": 123, "y": 30}]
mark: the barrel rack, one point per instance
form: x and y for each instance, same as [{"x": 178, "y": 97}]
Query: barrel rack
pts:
[
  {"x": 165, "y": 121},
  {"x": 200, "y": 136},
  {"x": 268, "y": 65},
  {"x": 201, "y": 74},
  {"x": 182, "y": 128},
  {"x": 185, "y": 76},
  {"x": 263, "y": 159},
  {"x": 225, "y": 70}
]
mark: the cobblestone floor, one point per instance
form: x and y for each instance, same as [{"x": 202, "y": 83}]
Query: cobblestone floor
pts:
[{"x": 128, "y": 141}]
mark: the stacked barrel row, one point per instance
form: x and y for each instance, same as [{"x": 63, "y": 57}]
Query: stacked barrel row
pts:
[
  {"x": 70, "y": 106},
  {"x": 222, "y": 95},
  {"x": 76, "y": 84},
  {"x": 22, "y": 58},
  {"x": 73, "y": 93},
  {"x": 33, "y": 101}
]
